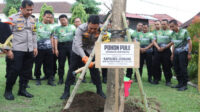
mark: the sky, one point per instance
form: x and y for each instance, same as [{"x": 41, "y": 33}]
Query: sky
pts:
[{"x": 181, "y": 10}]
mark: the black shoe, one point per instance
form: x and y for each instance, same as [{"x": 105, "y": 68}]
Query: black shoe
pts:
[
  {"x": 104, "y": 80},
  {"x": 155, "y": 82},
  {"x": 177, "y": 86},
  {"x": 150, "y": 81},
  {"x": 66, "y": 93},
  {"x": 102, "y": 94},
  {"x": 60, "y": 82},
  {"x": 38, "y": 82},
  {"x": 8, "y": 95},
  {"x": 168, "y": 84},
  {"x": 183, "y": 88},
  {"x": 65, "y": 96},
  {"x": 100, "y": 91},
  {"x": 51, "y": 83},
  {"x": 25, "y": 93}
]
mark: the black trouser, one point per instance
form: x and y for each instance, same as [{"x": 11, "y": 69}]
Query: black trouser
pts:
[
  {"x": 8, "y": 65},
  {"x": 158, "y": 70},
  {"x": 147, "y": 57},
  {"x": 162, "y": 58},
  {"x": 77, "y": 63},
  {"x": 45, "y": 58},
  {"x": 104, "y": 73},
  {"x": 55, "y": 58},
  {"x": 21, "y": 65},
  {"x": 180, "y": 62},
  {"x": 64, "y": 49},
  {"x": 129, "y": 72}
]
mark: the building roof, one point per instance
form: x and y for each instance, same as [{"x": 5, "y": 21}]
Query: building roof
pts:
[
  {"x": 151, "y": 18},
  {"x": 129, "y": 15},
  {"x": 165, "y": 16},
  {"x": 59, "y": 7},
  {"x": 187, "y": 23}
]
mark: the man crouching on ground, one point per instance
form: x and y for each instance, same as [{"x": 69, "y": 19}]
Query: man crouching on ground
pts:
[{"x": 82, "y": 46}]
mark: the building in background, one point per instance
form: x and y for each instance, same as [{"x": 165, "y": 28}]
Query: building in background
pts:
[
  {"x": 59, "y": 8},
  {"x": 187, "y": 23},
  {"x": 134, "y": 19}
]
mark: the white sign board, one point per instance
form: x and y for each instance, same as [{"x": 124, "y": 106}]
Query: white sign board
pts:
[{"x": 115, "y": 55}]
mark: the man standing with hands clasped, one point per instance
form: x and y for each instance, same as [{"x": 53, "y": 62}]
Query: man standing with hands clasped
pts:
[{"x": 23, "y": 51}]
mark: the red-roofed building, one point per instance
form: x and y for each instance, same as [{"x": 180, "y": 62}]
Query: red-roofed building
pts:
[
  {"x": 187, "y": 23},
  {"x": 147, "y": 19},
  {"x": 165, "y": 16}
]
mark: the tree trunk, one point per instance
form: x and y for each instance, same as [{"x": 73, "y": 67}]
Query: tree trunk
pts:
[{"x": 113, "y": 103}]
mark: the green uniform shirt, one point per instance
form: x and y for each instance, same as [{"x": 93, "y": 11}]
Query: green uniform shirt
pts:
[
  {"x": 135, "y": 35},
  {"x": 144, "y": 38},
  {"x": 65, "y": 33},
  {"x": 180, "y": 40},
  {"x": 44, "y": 32},
  {"x": 162, "y": 37}
]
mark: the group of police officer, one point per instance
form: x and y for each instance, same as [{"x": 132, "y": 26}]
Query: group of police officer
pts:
[{"x": 46, "y": 42}]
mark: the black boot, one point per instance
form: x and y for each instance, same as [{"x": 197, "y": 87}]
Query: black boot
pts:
[
  {"x": 50, "y": 82},
  {"x": 179, "y": 85},
  {"x": 60, "y": 82},
  {"x": 8, "y": 93},
  {"x": 184, "y": 87},
  {"x": 100, "y": 91},
  {"x": 22, "y": 91},
  {"x": 66, "y": 93},
  {"x": 155, "y": 82}
]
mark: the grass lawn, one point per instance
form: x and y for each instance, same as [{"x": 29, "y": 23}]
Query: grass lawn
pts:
[{"x": 47, "y": 98}]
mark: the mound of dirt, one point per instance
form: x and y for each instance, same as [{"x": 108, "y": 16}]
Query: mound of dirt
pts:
[{"x": 92, "y": 102}]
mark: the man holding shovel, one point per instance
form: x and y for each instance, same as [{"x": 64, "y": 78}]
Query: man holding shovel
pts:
[{"x": 82, "y": 46}]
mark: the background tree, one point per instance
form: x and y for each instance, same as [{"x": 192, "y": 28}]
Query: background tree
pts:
[
  {"x": 90, "y": 6},
  {"x": 11, "y": 3},
  {"x": 43, "y": 9},
  {"x": 194, "y": 30},
  {"x": 12, "y": 11},
  {"x": 79, "y": 12}
]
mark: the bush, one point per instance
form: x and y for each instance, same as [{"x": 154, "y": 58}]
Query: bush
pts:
[{"x": 194, "y": 30}]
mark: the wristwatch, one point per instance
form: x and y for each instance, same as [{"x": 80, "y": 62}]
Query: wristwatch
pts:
[{"x": 190, "y": 53}]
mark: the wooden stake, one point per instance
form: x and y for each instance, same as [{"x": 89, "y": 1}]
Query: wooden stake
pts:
[
  {"x": 142, "y": 93},
  {"x": 199, "y": 70},
  {"x": 86, "y": 66}
]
